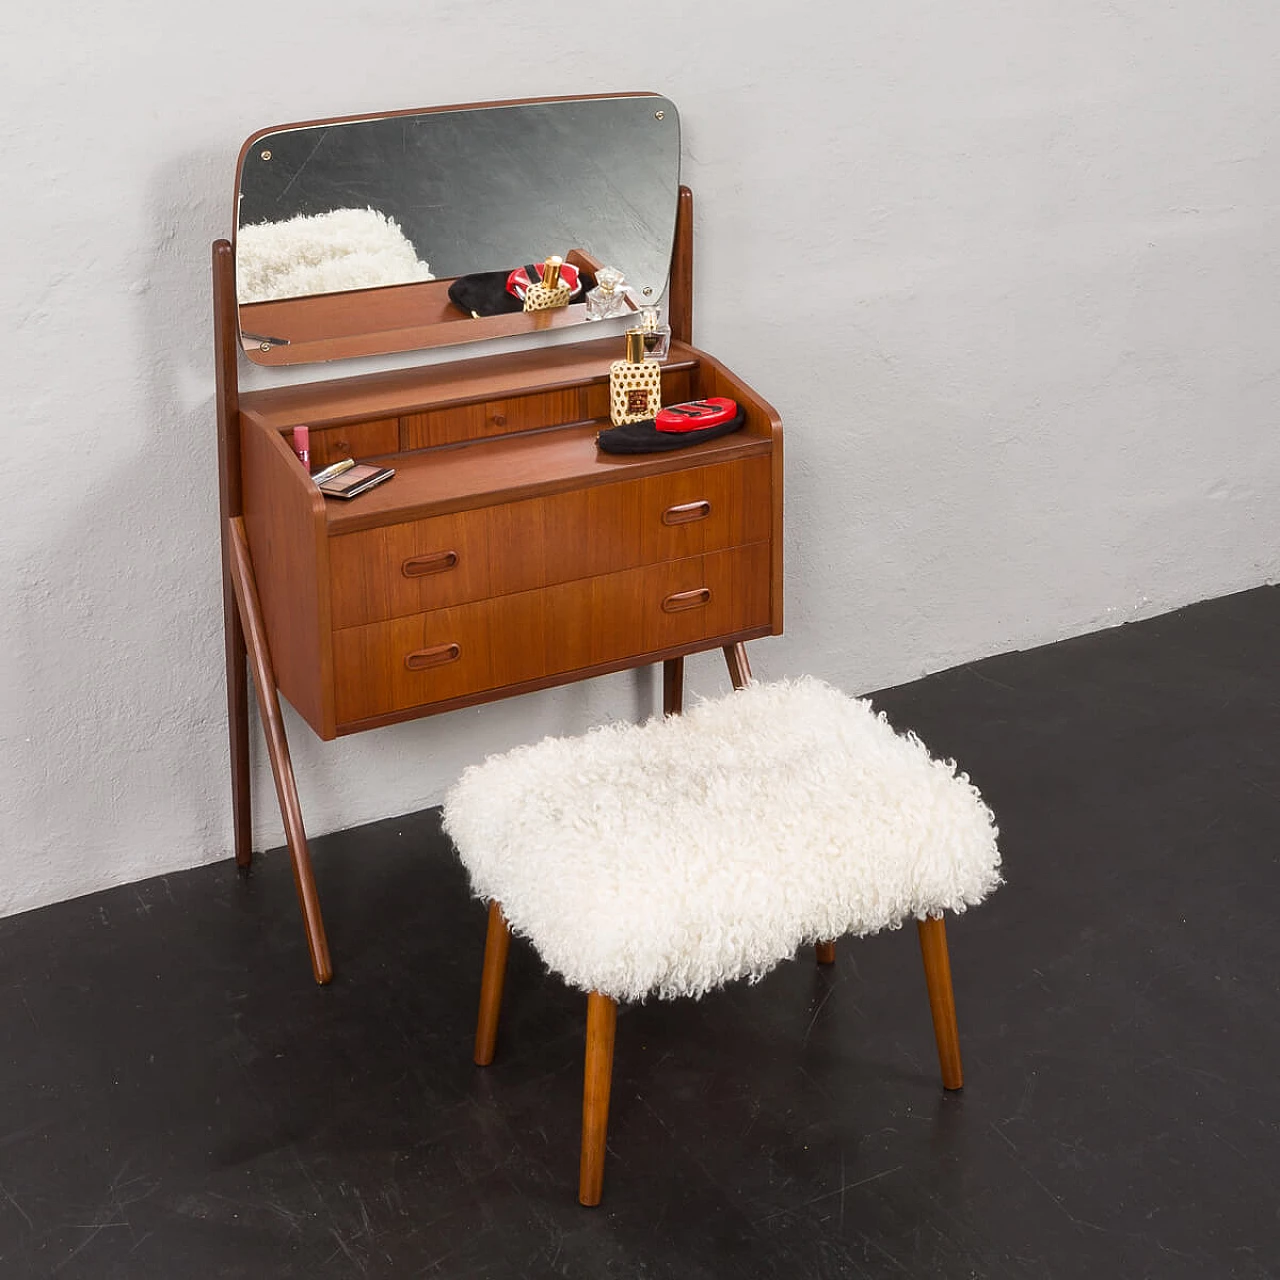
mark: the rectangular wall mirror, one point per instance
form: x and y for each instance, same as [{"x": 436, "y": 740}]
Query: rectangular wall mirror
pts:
[{"x": 349, "y": 232}]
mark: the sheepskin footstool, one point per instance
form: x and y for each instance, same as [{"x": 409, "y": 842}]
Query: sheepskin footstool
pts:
[{"x": 668, "y": 858}]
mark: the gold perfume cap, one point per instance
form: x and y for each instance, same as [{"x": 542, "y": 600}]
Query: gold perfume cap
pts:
[
  {"x": 551, "y": 272},
  {"x": 635, "y": 346}
]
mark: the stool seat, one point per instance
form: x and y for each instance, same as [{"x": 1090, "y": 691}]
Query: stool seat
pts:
[{"x": 668, "y": 858}]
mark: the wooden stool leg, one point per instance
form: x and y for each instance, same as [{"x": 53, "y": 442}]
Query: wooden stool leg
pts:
[
  {"x": 602, "y": 1018},
  {"x": 673, "y": 686},
  {"x": 278, "y": 749},
  {"x": 496, "y": 944},
  {"x": 937, "y": 975},
  {"x": 826, "y": 952},
  {"x": 735, "y": 656}
]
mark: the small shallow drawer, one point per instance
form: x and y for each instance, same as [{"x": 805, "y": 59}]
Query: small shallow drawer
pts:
[
  {"x": 520, "y": 546},
  {"x": 392, "y": 666},
  {"x": 356, "y": 440},
  {"x": 482, "y": 420}
]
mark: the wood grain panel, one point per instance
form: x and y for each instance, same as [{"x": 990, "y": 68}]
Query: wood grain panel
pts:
[
  {"x": 677, "y": 387},
  {"x": 458, "y": 424},
  {"x": 376, "y": 574},
  {"x": 442, "y": 426},
  {"x": 371, "y": 322},
  {"x": 432, "y": 482},
  {"x": 494, "y": 418},
  {"x": 285, "y": 528},
  {"x": 527, "y": 413},
  {"x": 355, "y": 440},
  {"x": 713, "y": 379},
  {"x": 396, "y": 392},
  {"x": 523, "y": 637},
  {"x": 596, "y": 402},
  {"x": 520, "y": 546},
  {"x": 626, "y": 663}
]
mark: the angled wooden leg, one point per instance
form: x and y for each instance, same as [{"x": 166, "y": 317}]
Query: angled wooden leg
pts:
[
  {"x": 278, "y": 749},
  {"x": 602, "y": 1018},
  {"x": 826, "y": 952},
  {"x": 937, "y": 975},
  {"x": 735, "y": 655},
  {"x": 237, "y": 722},
  {"x": 496, "y": 945},
  {"x": 673, "y": 686}
]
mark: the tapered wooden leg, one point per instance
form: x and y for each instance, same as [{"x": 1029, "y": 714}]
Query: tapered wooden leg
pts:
[
  {"x": 826, "y": 952},
  {"x": 238, "y": 723},
  {"x": 673, "y": 686},
  {"x": 278, "y": 750},
  {"x": 496, "y": 945},
  {"x": 735, "y": 655},
  {"x": 937, "y": 974},
  {"x": 602, "y": 1018}
]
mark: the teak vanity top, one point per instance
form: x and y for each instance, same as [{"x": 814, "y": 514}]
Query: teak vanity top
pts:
[
  {"x": 507, "y": 554},
  {"x": 521, "y": 463}
]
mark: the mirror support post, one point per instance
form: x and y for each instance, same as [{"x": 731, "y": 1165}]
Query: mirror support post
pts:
[
  {"x": 681, "y": 306},
  {"x": 226, "y": 338}
]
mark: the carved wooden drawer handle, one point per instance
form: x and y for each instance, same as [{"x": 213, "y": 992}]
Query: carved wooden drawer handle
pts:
[
  {"x": 437, "y": 562},
  {"x": 687, "y": 512},
  {"x": 687, "y": 600},
  {"x": 436, "y": 657}
]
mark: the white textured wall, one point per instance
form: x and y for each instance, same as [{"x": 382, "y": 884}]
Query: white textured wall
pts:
[{"x": 1007, "y": 267}]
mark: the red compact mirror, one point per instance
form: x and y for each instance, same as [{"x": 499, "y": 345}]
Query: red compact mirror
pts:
[{"x": 696, "y": 415}]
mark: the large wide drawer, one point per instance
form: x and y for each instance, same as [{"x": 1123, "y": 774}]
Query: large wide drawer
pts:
[
  {"x": 421, "y": 565},
  {"x": 386, "y": 667}
]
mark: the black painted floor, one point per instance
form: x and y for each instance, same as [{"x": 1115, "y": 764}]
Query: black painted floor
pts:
[{"x": 178, "y": 1100}]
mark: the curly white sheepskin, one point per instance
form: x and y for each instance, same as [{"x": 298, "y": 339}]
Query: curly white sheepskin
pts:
[
  {"x": 324, "y": 253},
  {"x": 671, "y": 857}
]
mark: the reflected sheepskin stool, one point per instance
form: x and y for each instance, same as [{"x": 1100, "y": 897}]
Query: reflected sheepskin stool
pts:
[
  {"x": 668, "y": 858},
  {"x": 324, "y": 253}
]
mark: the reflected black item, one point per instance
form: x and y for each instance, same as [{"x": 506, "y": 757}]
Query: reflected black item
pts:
[
  {"x": 487, "y": 293},
  {"x": 644, "y": 437}
]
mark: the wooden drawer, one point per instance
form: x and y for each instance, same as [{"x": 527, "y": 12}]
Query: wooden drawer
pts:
[
  {"x": 409, "y": 662},
  {"x": 355, "y": 440},
  {"x": 410, "y": 568},
  {"x": 484, "y": 419}
]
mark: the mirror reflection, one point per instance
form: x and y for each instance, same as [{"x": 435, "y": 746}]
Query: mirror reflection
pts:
[{"x": 412, "y": 230}]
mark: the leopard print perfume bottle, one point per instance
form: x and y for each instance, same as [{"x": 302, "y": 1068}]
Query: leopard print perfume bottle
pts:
[
  {"x": 635, "y": 384},
  {"x": 550, "y": 291}
]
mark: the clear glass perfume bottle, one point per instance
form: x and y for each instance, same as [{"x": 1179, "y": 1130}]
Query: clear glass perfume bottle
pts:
[
  {"x": 635, "y": 384},
  {"x": 609, "y": 297},
  {"x": 550, "y": 291},
  {"x": 657, "y": 336}
]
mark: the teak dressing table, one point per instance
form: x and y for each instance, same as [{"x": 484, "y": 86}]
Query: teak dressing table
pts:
[{"x": 508, "y": 554}]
